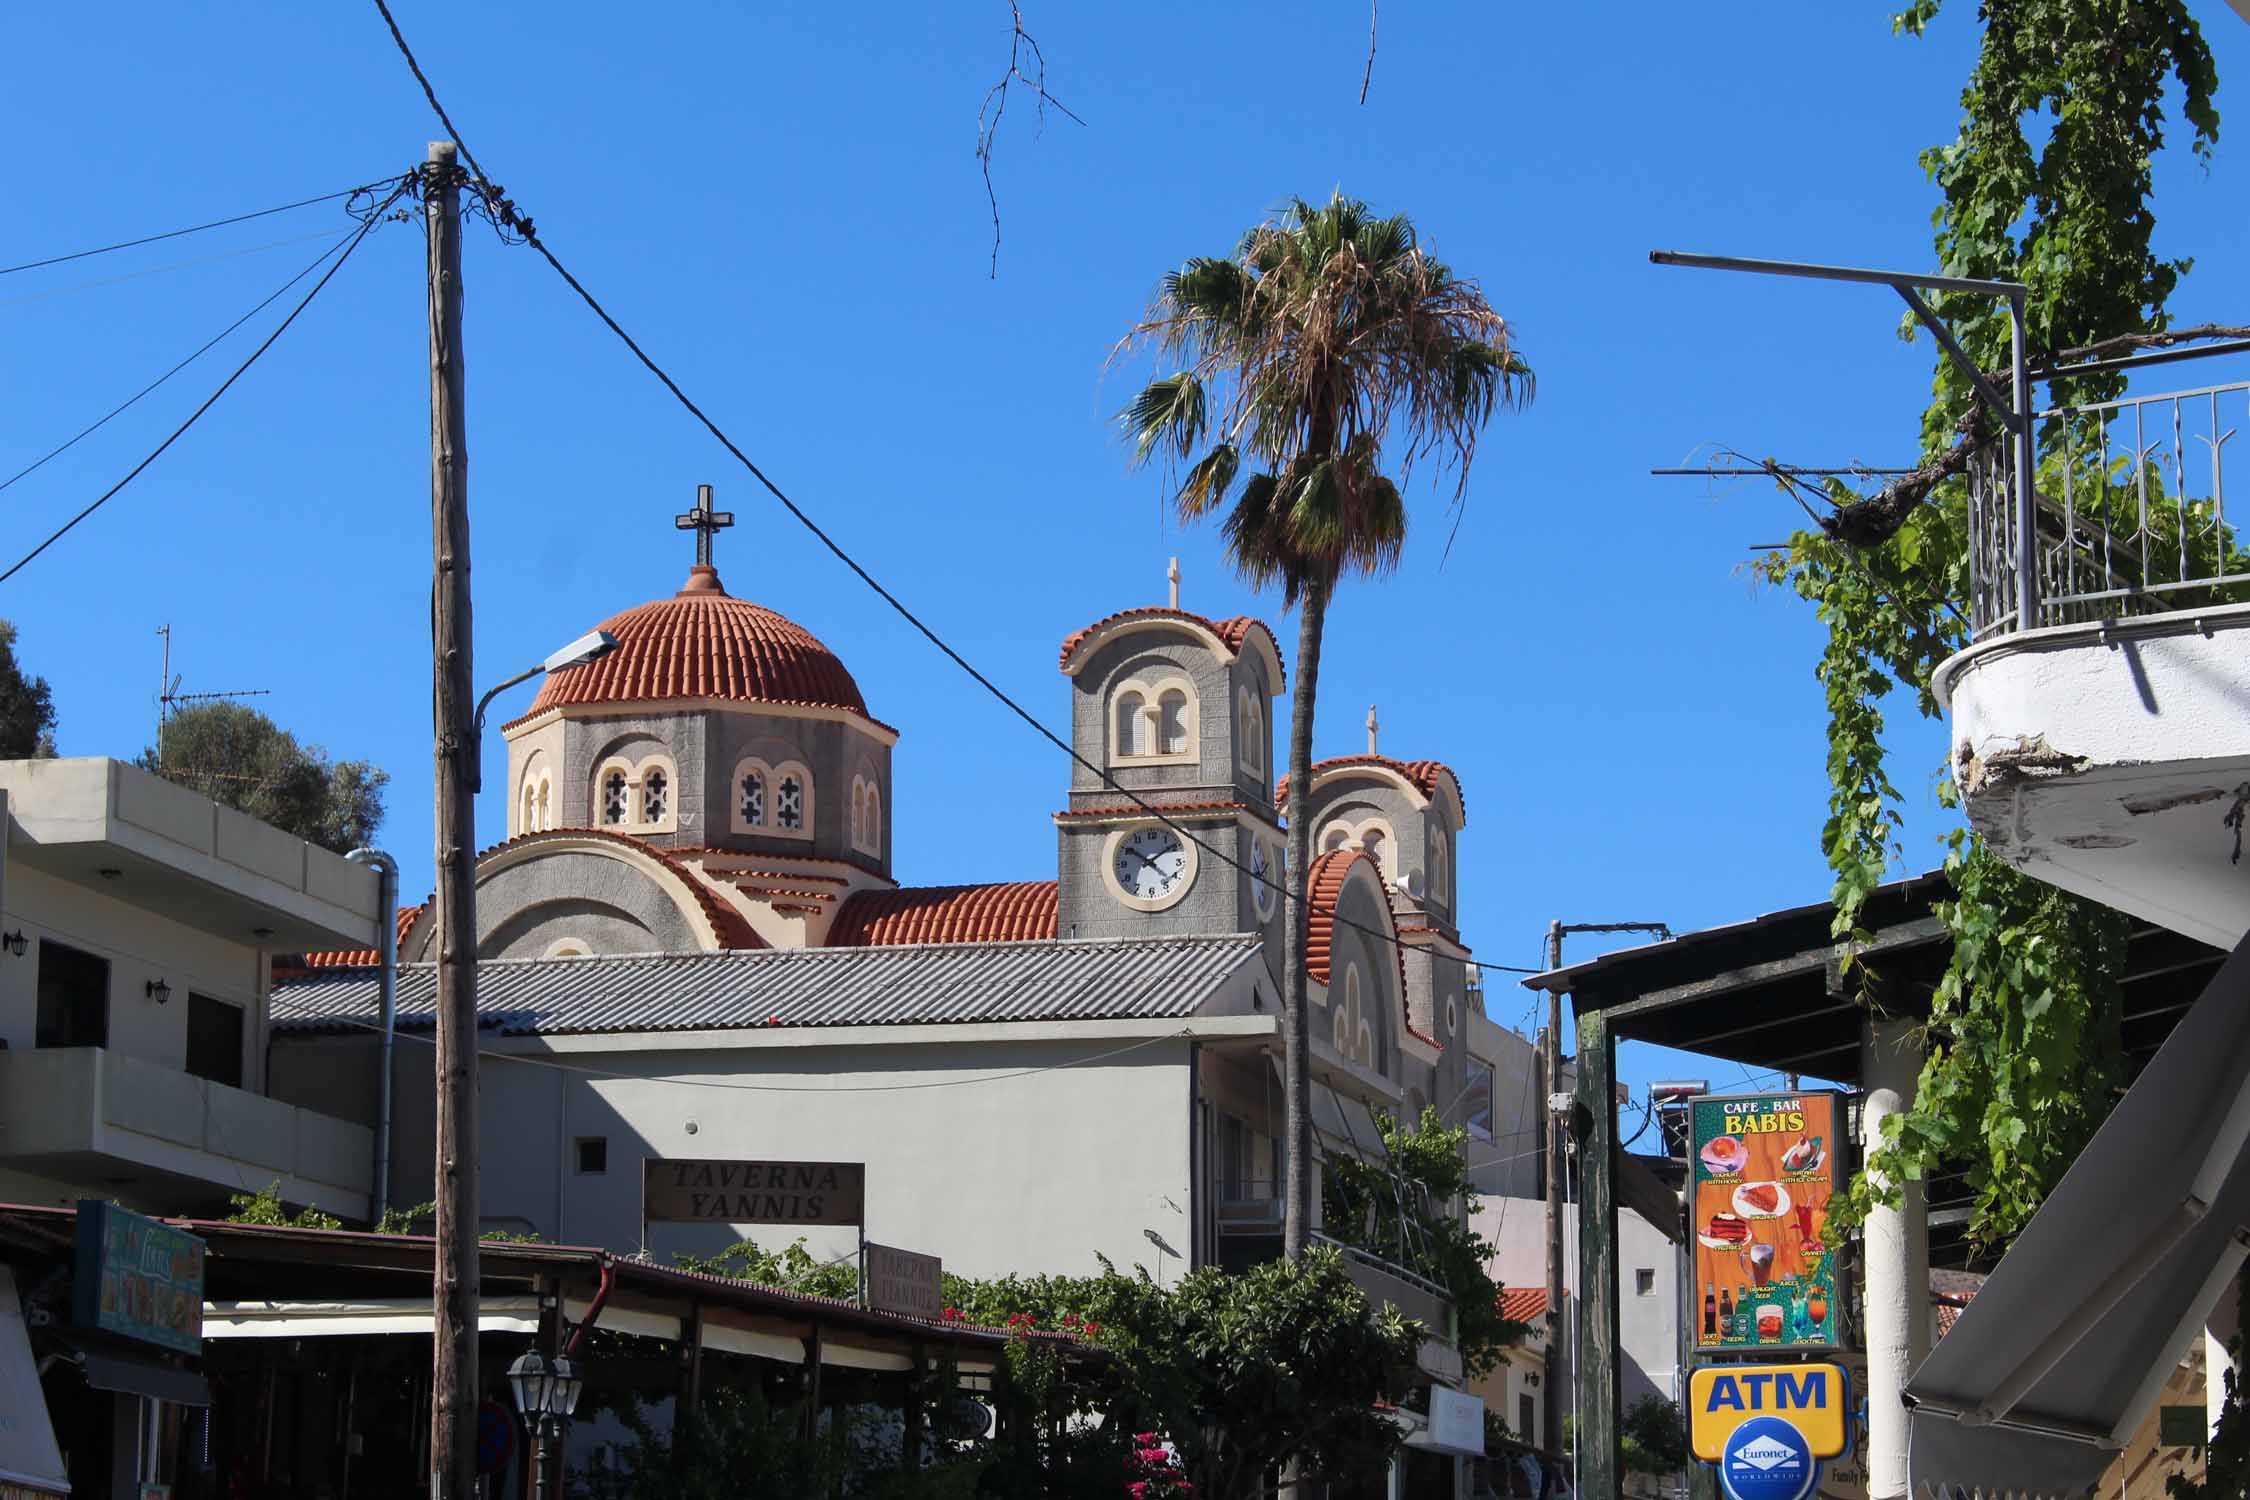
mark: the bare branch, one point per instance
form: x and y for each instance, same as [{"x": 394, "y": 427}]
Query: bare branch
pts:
[
  {"x": 1369, "y": 76},
  {"x": 2131, "y": 343},
  {"x": 1020, "y": 44}
]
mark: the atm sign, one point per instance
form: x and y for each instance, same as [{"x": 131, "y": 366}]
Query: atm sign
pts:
[{"x": 1813, "y": 1399}]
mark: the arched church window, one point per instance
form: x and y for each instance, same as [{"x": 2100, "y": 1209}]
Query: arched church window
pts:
[
  {"x": 1132, "y": 724},
  {"x": 789, "y": 803},
  {"x": 1378, "y": 847},
  {"x": 1440, "y": 873},
  {"x": 1172, "y": 717},
  {"x": 655, "y": 789},
  {"x": 752, "y": 799},
  {"x": 544, "y": 813},
  {"x": 859, "y": 812},
  {"x": 874, "y": 822},
  {"x": 1335, "y": 836},
  {"x": 1250, "y": 723},
  {"x": 527, "y": 819},
  {"x": 613, "y": 797}
]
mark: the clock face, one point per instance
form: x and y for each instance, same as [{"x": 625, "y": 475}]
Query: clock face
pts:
[{"x": 1150, "y": 863}]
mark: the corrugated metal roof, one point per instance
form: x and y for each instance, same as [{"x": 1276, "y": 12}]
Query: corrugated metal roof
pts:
[{"x": 908, "y": 984}]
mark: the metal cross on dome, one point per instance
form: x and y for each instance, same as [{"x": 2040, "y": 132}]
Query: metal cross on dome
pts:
[{"x": 704, "y": 522}]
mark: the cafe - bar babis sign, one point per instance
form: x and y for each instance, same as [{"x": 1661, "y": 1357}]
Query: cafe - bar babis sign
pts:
[{"x": 1765, "y": 1168}]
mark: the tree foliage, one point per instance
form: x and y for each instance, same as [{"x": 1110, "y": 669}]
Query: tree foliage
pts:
[
  {"x": 238, "y": 757},
  {"x": 1241, "y": 1372},
  {"x": 2047, "y": 182},
  {"x": 27, "y": 706},
  {"x": 1413, "y": 1207}
]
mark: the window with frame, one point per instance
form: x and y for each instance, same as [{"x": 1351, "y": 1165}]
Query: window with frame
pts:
[
  {"x": 750, "y": 799},
  {"x": 1251, "y": 721},
  {"x": 874, "y": 844},
  {"x": 615, "y": 797},
  {"x": 789, "y": 803},
  {"x": 1132, "y": 725},
  {"x": 214, "y": 1040},
  {"x": 656, "y": 789},
  {"x": 593, "y": 1155},
  {"x": 1172, "y": 722},
  {"x": 527, "y": 819},
  {"x": 73, "y": 1008},
  {"x": 544, "y": 813},
  {"x": 1644, "y": 1281}
]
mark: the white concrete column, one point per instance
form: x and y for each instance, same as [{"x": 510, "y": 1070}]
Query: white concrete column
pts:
[
  {"x": 1897, "y": 1260},
  {"x": 2216, "y": 1361}
]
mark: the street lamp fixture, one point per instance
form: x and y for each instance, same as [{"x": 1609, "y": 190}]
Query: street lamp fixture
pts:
[
  {"x": 590, "y": 647},
  {"x": 546, "y": 1393}
]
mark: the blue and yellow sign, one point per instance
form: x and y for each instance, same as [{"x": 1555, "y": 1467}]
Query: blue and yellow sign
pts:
[
  {"x": 137, "y": 1278},
  {"x": 1813, "y": 1399}
]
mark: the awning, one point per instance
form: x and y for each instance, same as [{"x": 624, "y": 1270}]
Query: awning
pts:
[
  {"x": 2056, "y": 1363},
  {"x": 145, "y": 1377},
  {"x": 28, "y": 1455}
]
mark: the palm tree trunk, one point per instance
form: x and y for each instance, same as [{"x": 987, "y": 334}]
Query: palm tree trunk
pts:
[{"x": 1296, "y": 1032}]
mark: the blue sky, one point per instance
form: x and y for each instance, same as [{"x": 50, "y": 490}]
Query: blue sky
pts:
[{"x": 784, "y": 204}]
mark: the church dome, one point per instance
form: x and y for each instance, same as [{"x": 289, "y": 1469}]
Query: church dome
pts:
[{"x": 705, "y": 643}]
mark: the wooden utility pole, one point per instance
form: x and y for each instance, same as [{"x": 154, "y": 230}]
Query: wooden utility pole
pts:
[
  {"x": 454, "y": 1386},
  {"x": 1550, "y": 1068}
]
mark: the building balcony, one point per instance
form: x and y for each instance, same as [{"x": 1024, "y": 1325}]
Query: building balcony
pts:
[
  {"x": 2101, "y": 717},
  {"x": 1414, "y": 1296},
  {"x": 169, "y": 1141}
]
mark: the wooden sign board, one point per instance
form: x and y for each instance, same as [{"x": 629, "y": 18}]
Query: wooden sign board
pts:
[
  {"x": 676, "y": 1191},
  {"x": 902, "y": 1281},
  {"x": 1765, "y": 1167}
]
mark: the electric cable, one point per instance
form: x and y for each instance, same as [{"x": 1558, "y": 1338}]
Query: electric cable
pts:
[
  {"x": 505, "y": 214},
  {"x": 173, "y": 234},
  {"x": 358, "y": 237},
  {"x": 147, "y": 271},
  {"x": 215, "y": 339}
]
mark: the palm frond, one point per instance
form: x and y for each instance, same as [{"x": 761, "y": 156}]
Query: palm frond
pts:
[
  {"x": 1168, "y": 414},
  {"x": 1207, "y": 482}
]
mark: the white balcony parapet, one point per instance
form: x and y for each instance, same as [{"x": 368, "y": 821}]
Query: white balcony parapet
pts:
[{"x": 87, "y": 1114}]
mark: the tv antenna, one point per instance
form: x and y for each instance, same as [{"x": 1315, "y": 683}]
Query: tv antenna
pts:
[{"x": 169, "y": 697}]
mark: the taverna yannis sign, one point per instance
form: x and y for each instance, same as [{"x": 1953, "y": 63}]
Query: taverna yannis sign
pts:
[{"x": 753, "y": 1192}]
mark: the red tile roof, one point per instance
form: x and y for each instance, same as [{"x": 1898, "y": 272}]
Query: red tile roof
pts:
[
  {"x": 1423, "y": 774},
  {"x": 1233, "y": 631},
  {"x": 1325, "y": 885},
  {"x": 704, "y": 643},
  {"x": 342, "y": 958},
  {"x": 1014, "y": 911},
  {"x": 1135, "y": 810},
  {"x": 1523, "y": 1304}
]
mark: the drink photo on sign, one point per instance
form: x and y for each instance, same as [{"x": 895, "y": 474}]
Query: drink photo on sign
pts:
[{"x": 1763, "y": 1178}]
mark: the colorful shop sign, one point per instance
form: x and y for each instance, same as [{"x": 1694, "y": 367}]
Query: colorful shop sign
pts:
[
  {"x": 137, "y": 1278},
  {"x": 1765, "y": 1168}
]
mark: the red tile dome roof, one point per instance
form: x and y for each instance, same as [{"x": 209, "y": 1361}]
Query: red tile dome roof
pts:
[
  {"x": 1015, "y": 911},
  {"x": 705, "y": 643}
]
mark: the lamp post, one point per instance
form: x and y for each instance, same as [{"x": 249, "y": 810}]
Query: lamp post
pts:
[
  {"x": 546, "y": 1394},
  {"x": 590, "y": 647}
]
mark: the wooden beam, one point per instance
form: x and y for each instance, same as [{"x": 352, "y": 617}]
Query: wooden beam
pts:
[
  {"x": 1600, "y": 1460},
  {"x": 1810, "y": 960}
]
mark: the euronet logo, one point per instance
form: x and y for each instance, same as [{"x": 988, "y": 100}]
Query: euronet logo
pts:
[{"x": 1767, "y": 1453}]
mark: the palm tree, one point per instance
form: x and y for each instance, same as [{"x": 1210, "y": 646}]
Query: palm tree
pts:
[{"x": 1329, "y": 332}]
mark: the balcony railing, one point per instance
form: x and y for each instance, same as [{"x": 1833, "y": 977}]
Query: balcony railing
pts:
[{"x": 2129, "y": 515}]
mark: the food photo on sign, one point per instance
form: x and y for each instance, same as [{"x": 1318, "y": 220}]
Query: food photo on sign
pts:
[{"x": 1765, "y": 1170}]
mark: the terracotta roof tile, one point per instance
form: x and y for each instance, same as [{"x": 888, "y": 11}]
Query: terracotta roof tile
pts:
[
  {"x": 704, "y": 643},
  {"x": 1523, "y": 1304},
  {"x": 1009, "y": 912},
  {"x": 1233, "y": 631},
  {"x": 294, "y": 964},
  {"x": 1326, "y": 884},
  {"x": 1423, "y": 774},
  {"x": 1135, "y": 810}
]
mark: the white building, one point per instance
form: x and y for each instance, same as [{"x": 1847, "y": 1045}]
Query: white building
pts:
[{"x": 138, "y": 922}]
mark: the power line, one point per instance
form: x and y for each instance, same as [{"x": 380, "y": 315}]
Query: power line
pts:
[
  {"x": 178, "y": 265},
  {"x": 173, "y": 234},
  {"x": 215, "y": 339},
  {"x": 360, "y": 235},
  {"x": 506, "y": 215}
]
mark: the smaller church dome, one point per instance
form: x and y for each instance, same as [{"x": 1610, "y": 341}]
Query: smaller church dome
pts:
[{"x": 705, "y": 643}]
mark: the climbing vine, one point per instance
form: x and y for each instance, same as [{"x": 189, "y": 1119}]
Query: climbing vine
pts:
[{"x": 2048, "y": 182}]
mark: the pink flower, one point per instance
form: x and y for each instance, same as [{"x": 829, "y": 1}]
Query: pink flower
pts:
[{"x": 1137, "y": 1488}]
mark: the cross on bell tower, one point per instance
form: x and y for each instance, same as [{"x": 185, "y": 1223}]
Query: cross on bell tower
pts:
[{"x": 704, "y": 522}]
